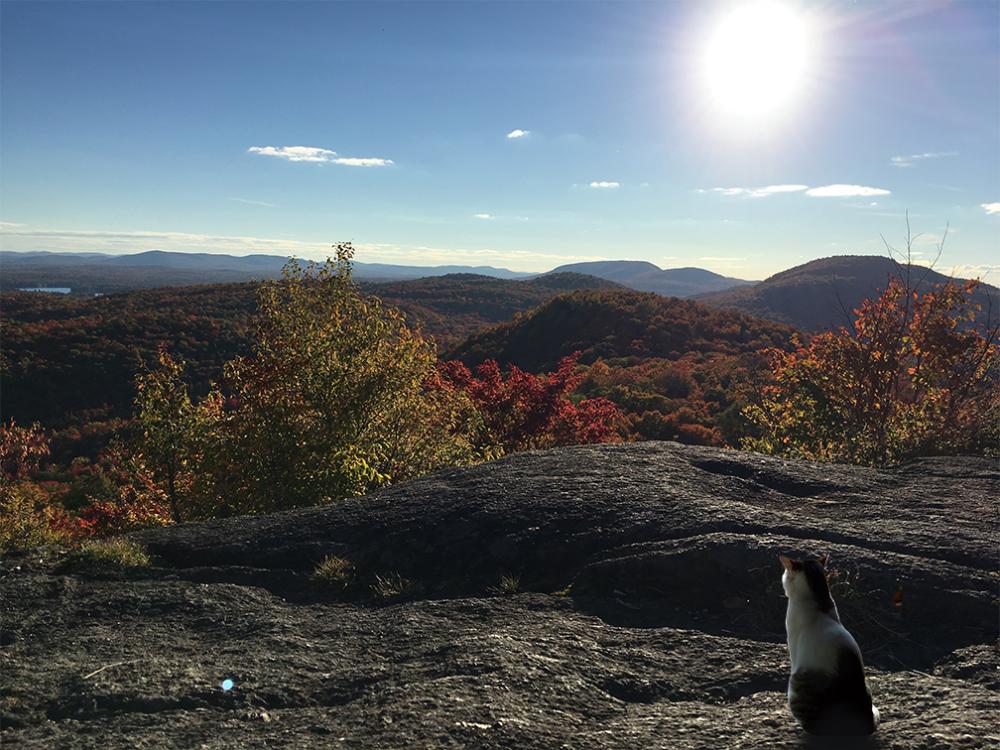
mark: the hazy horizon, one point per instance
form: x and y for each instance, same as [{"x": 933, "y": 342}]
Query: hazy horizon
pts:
[{"x": 520, "y": 136}]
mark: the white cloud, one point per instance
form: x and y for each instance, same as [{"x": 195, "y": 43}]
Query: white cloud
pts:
[
  {"x": 845, "y": 191},
  {"x": 318, "y": 155},
  {"x": 982, "y": 271},
  {"x": 991, "y": 208},
  {"x": 758, "y": 192},
  {"x": 483, "y": 216},
  {"x": 605, "y": 184},
  {"x": 253, "y": 203},
  {"x": 721, "y": 259},
  {"x": 912, "y": 159},
  {"x": 825, "y": 191},
  {"x": 294, "y": 153},
  {"x": 353, "y": 161},
  {"x": 9, "y": 225},
  {"x": 517, "y": 133}
]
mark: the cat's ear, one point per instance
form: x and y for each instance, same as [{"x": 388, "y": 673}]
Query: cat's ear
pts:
[
  {"x": 824, "y": 560},
  {"x": 787, "y": 562}
]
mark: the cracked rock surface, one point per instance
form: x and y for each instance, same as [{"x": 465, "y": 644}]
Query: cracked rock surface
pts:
[{"x": 591, "y": 597}]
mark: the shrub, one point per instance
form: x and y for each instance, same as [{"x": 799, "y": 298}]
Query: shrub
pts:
[
  {"x": 391, "y": 585},
  {"x": 105, "y": 554},
  {"x": 21, "y": 450},
  {"x": 335, "y": 572},
  {"x": 911, "y": 377},
  {"x": 28, "y": 518},
  {"x": 527, "y": 411},
  {"x": 509, "y": 584}
]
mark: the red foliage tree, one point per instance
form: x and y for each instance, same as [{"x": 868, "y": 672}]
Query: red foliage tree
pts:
[
  {"x": 913, "y": 376},
  {"x": 21, "y": 450},
  {"x": 527, "y": 411}
]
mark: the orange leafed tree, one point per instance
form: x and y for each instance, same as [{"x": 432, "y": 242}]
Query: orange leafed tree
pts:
[{"x": 914, "y": 375}]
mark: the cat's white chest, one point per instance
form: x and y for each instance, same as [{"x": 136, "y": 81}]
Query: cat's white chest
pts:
[{"x": 815, "y": 640}]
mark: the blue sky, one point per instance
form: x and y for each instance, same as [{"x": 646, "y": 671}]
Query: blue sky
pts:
[{"x": 137, "y": 126}]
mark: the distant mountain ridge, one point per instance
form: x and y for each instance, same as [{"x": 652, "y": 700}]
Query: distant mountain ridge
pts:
[
  {"x": 822, "y": 294},
  {"x": 93, "y": 272},
  {"x": 647, "y": 277},
  {"x": 101, "y": 273}
]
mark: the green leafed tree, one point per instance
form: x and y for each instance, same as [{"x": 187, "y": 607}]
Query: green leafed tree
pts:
[
  {"x": 332, "y": 403},
  {"x": 173, "y": 429}
]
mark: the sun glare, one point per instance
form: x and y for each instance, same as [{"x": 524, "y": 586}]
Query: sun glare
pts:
[{"x": 756, "y": 60}]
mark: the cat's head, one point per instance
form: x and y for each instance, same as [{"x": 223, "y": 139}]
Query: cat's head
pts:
[{"x": 806, "y": 579}]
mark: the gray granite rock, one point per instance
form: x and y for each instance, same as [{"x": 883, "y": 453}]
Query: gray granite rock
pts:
[{"x": 642, "y": 608}]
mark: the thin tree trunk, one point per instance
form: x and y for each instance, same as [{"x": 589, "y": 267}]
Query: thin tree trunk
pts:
[{"x": 172, "y": 495}]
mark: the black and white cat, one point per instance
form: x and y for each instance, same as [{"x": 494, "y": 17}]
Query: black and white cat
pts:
[{"x": 827, "y": 692}]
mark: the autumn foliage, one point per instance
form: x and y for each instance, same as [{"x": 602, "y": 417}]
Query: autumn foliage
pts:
[
  {"x": 338, "y": 397},
  {"x": 27, "y": 515},
  {"x": 527, "y": 411},
  {"x": 913, "y": 376}
]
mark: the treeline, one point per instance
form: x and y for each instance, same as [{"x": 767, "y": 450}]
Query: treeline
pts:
[{"x": 69, "y": 360}]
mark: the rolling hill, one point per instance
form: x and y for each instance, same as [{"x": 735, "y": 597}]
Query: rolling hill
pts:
[
  {"x": 821, "y": 294},
  {"x": 646, "y": 277},
  {"x": 615, "y": 325},
  {"x": 65, "y": 353}
]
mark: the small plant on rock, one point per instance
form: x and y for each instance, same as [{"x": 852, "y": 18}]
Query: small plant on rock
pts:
[
  {"x": 107, "y": 554},
  {"x": 509, "y": 584},
  {"x": 335, "y": 572},
  {"x": 391, "y": 585}
]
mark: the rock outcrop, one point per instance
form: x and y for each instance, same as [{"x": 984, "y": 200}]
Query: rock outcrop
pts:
[{"x": 592, "y": 597}]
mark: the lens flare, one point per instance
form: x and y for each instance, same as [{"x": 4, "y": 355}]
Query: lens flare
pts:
[{"x": 756, "y": 60}]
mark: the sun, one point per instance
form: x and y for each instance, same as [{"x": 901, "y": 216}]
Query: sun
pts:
[{"x": 757, "y": 59}]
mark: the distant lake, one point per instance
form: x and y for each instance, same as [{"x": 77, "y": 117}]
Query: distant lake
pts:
[{"x": 50, "y": 289}]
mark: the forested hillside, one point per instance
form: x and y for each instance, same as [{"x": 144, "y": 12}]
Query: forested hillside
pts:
[
  {"x": 677, "y": 369},
  {"x": 63, "y": 355},
  {"x": 822, "y": 294},
  {"x": 619, "y": 325}
]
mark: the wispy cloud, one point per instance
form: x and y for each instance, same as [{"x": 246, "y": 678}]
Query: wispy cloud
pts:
[
  {"x": 369, "y": 161},
  {"x": 117, "y": 242},
  {"x": 253, "y": 203},
  {"x": 483, "y": 216},
  {"x": 981, "y": 271},
  {"x": 845, "y": 191},
  {"x": 318, "y": 155},
  {"x": 517, "y": 133},
  {"x": 991, "y": 208},
  {"x": 759, "y": 192},
  {"x": 294, "y": 153},
  {"x": 605, "y": 184},
  {"x": 721, "y": 259},
  {"x": 912, "y": 159},
  {"x": 824, "y": 191}
]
